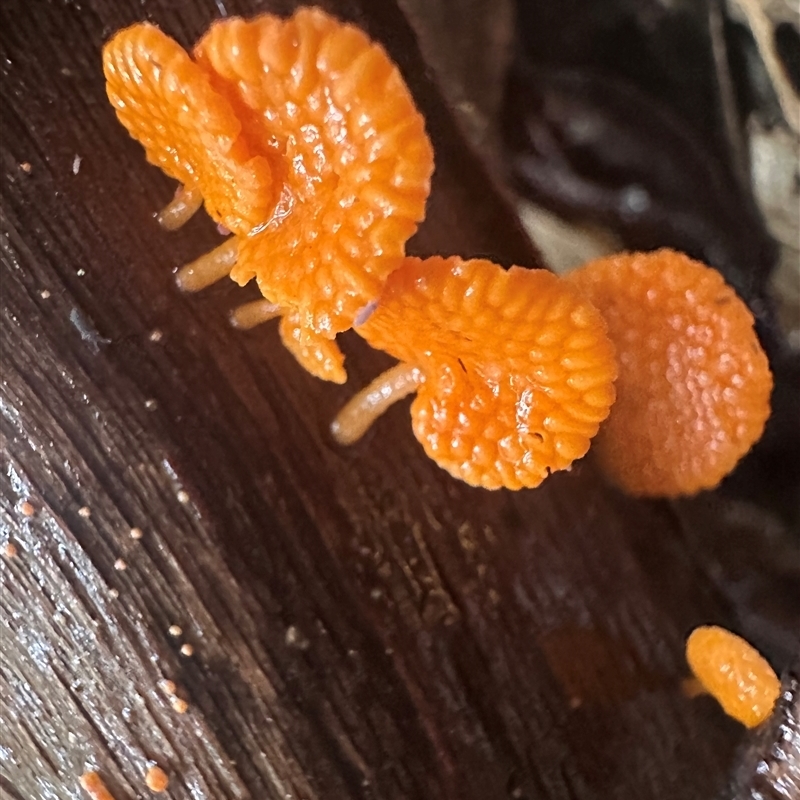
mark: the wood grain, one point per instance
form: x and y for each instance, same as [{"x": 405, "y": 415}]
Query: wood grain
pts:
[{"x": 362, "y": 625}]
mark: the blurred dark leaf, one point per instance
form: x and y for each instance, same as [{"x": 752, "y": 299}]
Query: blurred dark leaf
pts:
[
  {"x": 468, "y": 44},
  {"x": 630, "y": 114},
  {"x": 663, "y": 49},
  {"x": 590, "y": 145},
  {"x": 627, "y": 112}
]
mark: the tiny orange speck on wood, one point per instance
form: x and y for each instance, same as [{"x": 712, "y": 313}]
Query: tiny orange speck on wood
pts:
[
  {"x": 93, "y": 785},
  {"x": 156, "y": 779}
]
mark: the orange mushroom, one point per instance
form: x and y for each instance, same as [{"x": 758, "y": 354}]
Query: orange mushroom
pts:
[
  {"x": 167, "y": 103},
  {"x": 341, "y": 162},
  {"x": 732, "y": 671},
  {"x": 513, "y": 370},
  {"x": 694, "y": 384}
]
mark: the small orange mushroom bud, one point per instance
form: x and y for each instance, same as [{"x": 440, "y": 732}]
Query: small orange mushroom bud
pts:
[
  {"x": 694, "y": 384},
  {"x": 734, "y": 673},
  {"x": 513, "y": 370},
  {"x": 303, "y": 139}
]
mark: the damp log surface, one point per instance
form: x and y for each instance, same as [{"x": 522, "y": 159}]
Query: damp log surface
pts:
[{"x": 362, "y": 625}]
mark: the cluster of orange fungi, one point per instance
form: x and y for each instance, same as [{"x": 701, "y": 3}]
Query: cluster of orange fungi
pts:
[{"x": 302, "y": 139}]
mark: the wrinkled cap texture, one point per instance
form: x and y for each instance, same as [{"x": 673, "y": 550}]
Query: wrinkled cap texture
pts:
[
  {"x": 734, "y": 673},
  {"x": 694, "y": 383},
  {"x": 304, "y": 141},
  {"x": 191, "y": 131},
  {"x": 518, "y": 368}
]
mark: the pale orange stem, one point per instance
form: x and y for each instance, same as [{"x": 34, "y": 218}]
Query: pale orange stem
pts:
[
  {"x": 183, "y": 207},
  {"x": 209, "y": 268},
  {"x": 692, "y": 687},
  {"x": 354, "y": 419},
  {"x": 249, "y": 315}
]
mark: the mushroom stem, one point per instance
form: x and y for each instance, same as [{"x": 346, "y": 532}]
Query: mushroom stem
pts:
[
  {"x": 209, "y": 268},
  {"x": 182, "y": 208},
  {"x": 249, "y": 315},
  {"x": 354, "y": 419},
  {"x": 691, "y": 687}
]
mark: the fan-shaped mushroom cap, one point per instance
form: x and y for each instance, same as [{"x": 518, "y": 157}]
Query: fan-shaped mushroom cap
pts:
[
  {"x": 354, "y": 160},
  {"x": 167, "y": 103},
  {"x": 518, "y": 370}
]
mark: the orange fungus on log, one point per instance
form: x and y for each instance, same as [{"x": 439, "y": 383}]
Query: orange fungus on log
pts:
[
  {"x": 351, "y": 154},
  {"x": 304, "y": 140},
  {"x": 190, "y": 130},
  {"x": 734, "y": 673},
  {"x": 694, "y": 384},
  {"x": 516, "y": 371}
]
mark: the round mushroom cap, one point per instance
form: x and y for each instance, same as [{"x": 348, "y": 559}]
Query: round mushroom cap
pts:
[{"x": 694, "y": 383}]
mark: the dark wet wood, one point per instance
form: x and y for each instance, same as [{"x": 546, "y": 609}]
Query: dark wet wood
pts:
[{"x": 362, "y": 625}]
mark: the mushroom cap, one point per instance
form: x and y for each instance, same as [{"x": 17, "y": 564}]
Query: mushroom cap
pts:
[
  {"x": 734, "y": 673},
  {"x": 349, "y": 151},
  {"x": 167, "y": 103},
  {"x": 518, "y": 368},
  {"x": 694, "y": 384},
  {"x": 317, "y": 355}
]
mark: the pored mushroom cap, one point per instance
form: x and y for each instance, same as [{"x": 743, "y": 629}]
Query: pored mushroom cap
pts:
[
  {"x": 694, "y": 384},
  {"x": 518, "y": 368},
  {"x": 167, "y": 103}
]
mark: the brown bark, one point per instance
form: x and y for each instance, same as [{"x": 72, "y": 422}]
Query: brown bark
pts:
[{"x": 362, "y": 625}]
